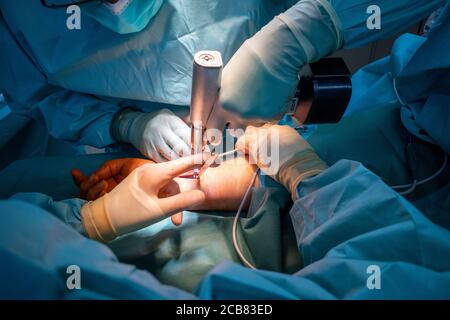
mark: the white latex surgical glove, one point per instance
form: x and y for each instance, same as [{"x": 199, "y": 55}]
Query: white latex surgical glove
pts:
[
  {"x": 282, "y": 153},
  {"x": 160, "y": 136},
  {"x": 261, "y": 77},
  {"x": 137, "y": 201}
]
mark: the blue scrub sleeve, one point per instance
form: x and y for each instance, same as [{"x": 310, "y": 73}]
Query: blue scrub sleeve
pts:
[
  {"x": 78, "y": 118},
  {"x": 68, "y": 211},
  {"x": 358, "y": 239},
  {"x": 70, "y": 116}
]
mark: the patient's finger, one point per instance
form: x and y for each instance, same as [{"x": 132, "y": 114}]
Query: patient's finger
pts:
[
  {"x": 92, "y": 181},
  {"x": 112, "y": 168},
  {"x": 111, "y": 184},
  {"x": 108, "y": 169},
  {"x": 78, "y": 176},
  {"x": 94, "y": 192},
  {"x": 82, "y": 181},
  {"x": 118, "y": 178},
  {"x": 177, "y": 218},
  {"x": 87, "y": 185}
]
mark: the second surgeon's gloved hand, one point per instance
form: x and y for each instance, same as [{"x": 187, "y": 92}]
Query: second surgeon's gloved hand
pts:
[
  {"x": 261, "y": 76},
  {"x": 110, "y": 174},
  {"x": 291, "y": 158},
  {"x": 160, "y": 136},
  {"x": 141, "y": 200}
]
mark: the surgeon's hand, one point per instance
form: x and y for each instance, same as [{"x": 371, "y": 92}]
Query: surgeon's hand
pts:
[
  {"x": 160, "y": 136},
  {"x": 281, "y": 153},
  {"x": 139, "y": 200},
  {"x": 110, "y": 174}
]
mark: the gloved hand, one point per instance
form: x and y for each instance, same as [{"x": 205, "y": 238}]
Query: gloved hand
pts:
[
  {"x": 110, "y": 174},
  {"x": 262, "y": 75},
  {"x": 282, "y": 154},
  {"x": 138, "y": 201},
  {"x": 160, "y": 136}
]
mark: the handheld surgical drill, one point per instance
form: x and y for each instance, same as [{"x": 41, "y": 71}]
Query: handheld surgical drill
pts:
[{"x": 206, "y": 80}]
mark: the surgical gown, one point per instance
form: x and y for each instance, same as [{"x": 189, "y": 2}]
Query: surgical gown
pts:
[
  {"x": 78, "y": 79},
  {"x": 346, "y": 221}
]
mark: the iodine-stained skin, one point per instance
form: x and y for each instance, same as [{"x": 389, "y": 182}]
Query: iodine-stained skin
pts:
[{"x": 224, "y": 184}]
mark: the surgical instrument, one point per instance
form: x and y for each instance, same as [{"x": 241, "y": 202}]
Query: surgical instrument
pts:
[{"x": 206, "y": 80}]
